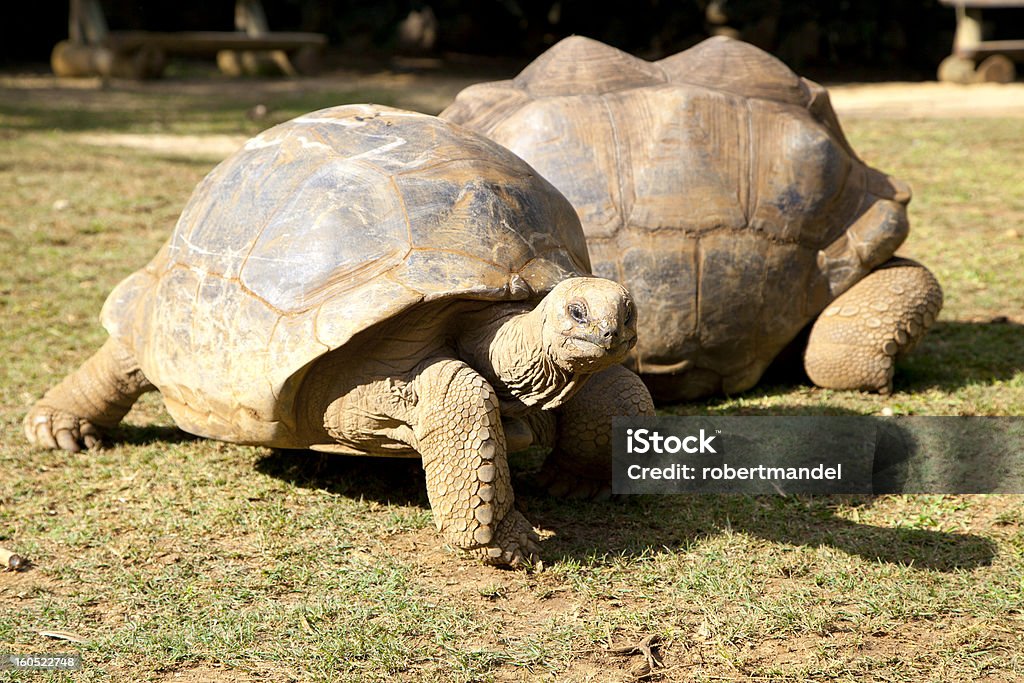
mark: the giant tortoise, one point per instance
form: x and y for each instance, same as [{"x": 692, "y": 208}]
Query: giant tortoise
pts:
[
  {"x": 718, "y": 187},
  {"x": 370, "y": 281}
]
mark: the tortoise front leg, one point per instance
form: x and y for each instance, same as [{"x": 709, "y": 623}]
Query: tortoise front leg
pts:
[
  {"x": 460, "y": 438},
  {"x": 97, "y": 395},
  {"x": 856, "y": 340},
  {"x": 580, "y": 466}
]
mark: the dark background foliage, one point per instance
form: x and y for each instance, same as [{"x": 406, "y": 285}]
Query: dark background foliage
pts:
[{"x": 888, "y": 37}]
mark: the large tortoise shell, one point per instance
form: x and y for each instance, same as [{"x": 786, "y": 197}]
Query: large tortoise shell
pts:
[
  {"x": 716, "y": 185},
  {"x": 316, "y": 230}
]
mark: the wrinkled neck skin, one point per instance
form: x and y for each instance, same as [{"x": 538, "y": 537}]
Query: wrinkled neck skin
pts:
[{"x": 506, "y": 345}]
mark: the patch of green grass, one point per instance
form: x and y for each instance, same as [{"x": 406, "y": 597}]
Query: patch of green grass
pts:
[
  {"x": 179, "y": 557},
  {"x": 968, "y": 208}
]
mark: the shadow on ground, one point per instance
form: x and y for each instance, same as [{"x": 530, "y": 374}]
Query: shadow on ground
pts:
[
  {"x": 953, "y": 355},
  {"x": 632, "y": 526},
  {"x": 398, "y": 481},
  {"x": 133, "y": 435},
  {"x": 957, "y": 354}
]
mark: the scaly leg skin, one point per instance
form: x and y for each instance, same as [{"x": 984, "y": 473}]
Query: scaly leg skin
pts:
[
  {"x": 857, "y": 340},
  {"x": 72, "y": 415},
  {"x": 580, "y": 466},
  {"x": 460, "y": 438}
]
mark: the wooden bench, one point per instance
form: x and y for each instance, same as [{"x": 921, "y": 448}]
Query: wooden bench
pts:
[
  {"x": 94, "y": 50},
  {"x": 969, "y": 45}
]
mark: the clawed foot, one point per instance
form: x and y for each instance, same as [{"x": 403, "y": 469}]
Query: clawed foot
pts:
[
  {"x": 53, "y": 428},
  {"x": 562, "y": 483},
  {"x": 515, "y": 543}
]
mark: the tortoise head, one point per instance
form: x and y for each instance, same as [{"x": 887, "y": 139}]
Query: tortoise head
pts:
[{"x": 589, "y": 324}]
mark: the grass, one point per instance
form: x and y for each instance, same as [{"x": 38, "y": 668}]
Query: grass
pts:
[{"x": 175, "y": 558}]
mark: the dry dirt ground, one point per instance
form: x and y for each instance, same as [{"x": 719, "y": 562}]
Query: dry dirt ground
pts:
[{"x": 928, "y": 100}]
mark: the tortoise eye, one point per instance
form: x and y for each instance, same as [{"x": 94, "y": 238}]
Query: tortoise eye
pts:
[
  {"x": 630, "y": 314},
  {"x": 577, "y": 312}
]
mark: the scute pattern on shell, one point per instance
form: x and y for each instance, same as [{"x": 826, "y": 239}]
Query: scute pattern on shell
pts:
[
  {"x": 716, "y": 185},
  {"x": 317, "y": 229}
]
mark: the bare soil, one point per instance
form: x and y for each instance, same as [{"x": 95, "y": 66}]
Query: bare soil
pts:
[{"x": 928, "y": 100}]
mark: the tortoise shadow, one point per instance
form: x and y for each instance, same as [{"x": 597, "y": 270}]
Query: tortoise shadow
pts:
[
  {"x": 632, "y": 526},
  {"x": 144, "y": 435},
  {"x": 953, "y": 355},
  {"x": 398, "y": 481},
  {"x": 642, "y": 523},
  {"x": 957, "y": 354}
]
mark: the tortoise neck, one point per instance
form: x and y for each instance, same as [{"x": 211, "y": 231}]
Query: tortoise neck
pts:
[{"x": 509, "y": 350}]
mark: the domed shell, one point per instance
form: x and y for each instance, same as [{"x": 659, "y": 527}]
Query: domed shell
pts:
[
  {"x": 316, "y": 230},
  {"x": 716, "y": 185}
]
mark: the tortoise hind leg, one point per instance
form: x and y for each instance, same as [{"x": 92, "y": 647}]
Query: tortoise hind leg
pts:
[
  {"x": 96, "y": 396},
  {"x": 580, "y": 466},
  {"x": 856, "y": 341},
  {"x": 460, "y": 438}
]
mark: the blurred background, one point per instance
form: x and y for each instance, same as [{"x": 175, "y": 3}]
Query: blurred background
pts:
[{"x": 864, "y": 39}]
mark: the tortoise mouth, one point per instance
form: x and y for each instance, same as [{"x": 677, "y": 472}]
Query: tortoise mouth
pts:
[{"x": 616, "y": 346}]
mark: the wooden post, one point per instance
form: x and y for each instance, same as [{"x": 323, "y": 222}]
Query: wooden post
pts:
[
  {"x": 968, "y": 31},
  {"x": 250, "y": 17},
  {"x": 252, "y": 20}
]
